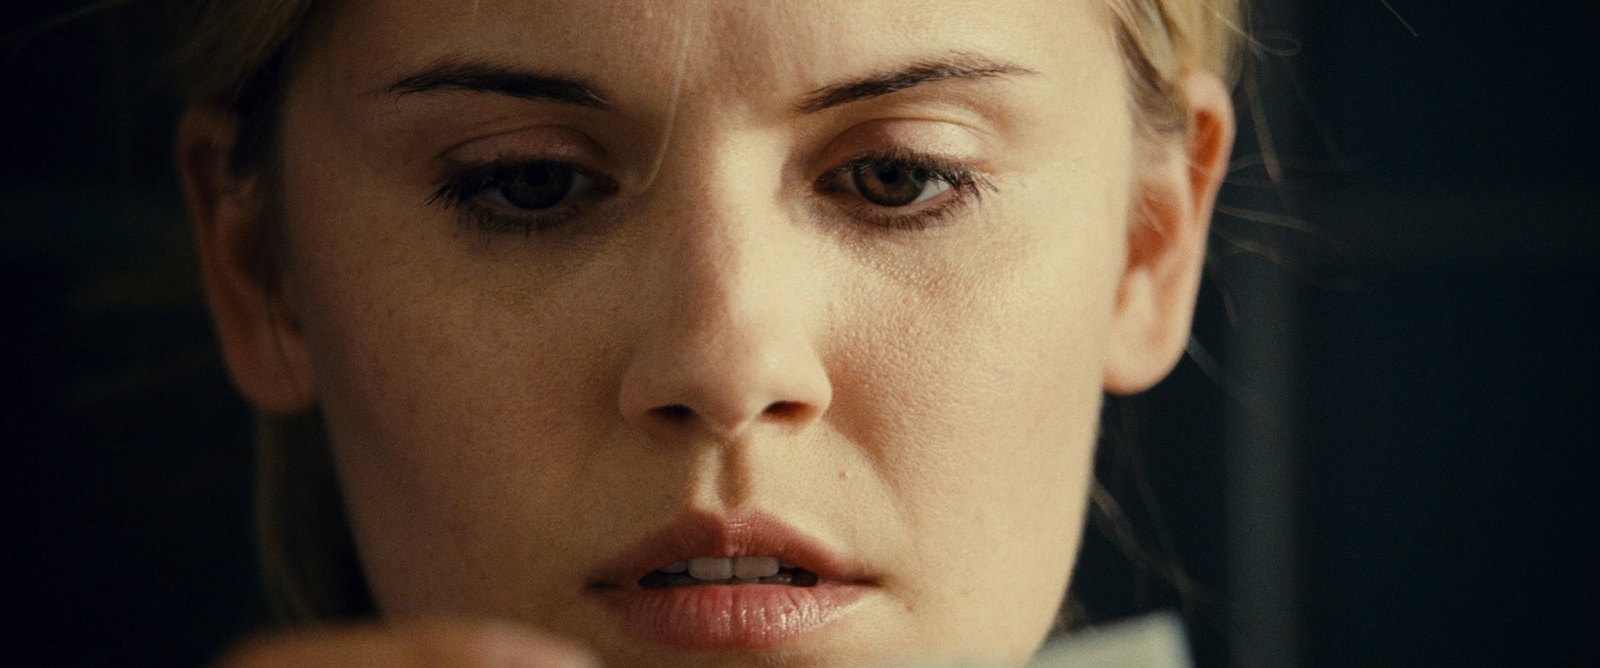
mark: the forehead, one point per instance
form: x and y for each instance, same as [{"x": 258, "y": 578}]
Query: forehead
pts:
[{"x": 727, "y": 53}]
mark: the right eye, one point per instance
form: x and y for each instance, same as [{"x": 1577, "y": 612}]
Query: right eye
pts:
[
  {"x": 530, "y": 196},
  {"x": 531, "y": 187}
]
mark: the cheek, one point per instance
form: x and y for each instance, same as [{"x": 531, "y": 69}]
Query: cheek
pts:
[
  {"x": 446, "y": 395},
  {"x": 980, "y": 393}
]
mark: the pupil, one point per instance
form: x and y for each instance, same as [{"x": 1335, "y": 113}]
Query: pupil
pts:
[{"x": 536, "y": 186}]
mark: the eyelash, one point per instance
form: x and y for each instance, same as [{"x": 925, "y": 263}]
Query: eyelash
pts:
[{"x": 465, "y": 185}]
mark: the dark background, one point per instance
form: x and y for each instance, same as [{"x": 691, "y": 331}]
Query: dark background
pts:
[{"x": 1380, "y": 454}]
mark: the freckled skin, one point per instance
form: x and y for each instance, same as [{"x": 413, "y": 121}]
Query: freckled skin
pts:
[{"x": 496, "y": 401}]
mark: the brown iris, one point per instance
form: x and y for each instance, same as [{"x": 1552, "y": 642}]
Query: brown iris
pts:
[
  {"x": 535, "y": 186},
  {"x": 891, "y": 184}
]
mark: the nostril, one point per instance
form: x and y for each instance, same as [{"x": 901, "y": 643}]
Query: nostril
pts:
[
  {"x": 785, "y": 410},
  {"x": 673, "y": 413},
  {"x": 777, "y": 411}
]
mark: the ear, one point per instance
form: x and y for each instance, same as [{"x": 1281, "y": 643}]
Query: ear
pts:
[
  {"x": 1167, "y": 243},
  {"x": 261, "y": 341}
]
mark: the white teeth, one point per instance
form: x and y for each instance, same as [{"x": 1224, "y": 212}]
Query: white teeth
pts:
[
  {"x": 714, "y": 569},
  {"x": 710, "y": 568},
  {"x": 755, "y": 567}
]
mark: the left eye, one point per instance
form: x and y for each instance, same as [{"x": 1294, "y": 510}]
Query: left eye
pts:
[{"x": 896, "y": 184}]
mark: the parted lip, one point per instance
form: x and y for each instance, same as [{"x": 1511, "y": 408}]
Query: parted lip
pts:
[{"x": 702, "y": 534}]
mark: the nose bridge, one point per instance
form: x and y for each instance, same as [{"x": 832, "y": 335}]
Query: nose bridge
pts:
[
  {"x": 720, "y": 243},
  {"x": 717, "y": 229},
  {"x": 730, "y": 342}
]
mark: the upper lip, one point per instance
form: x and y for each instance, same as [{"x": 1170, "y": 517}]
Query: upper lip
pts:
[{"x": 701, "y": 534}]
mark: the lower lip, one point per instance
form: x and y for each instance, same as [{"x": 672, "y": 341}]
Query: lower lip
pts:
[{"x": 730, "y": 617}]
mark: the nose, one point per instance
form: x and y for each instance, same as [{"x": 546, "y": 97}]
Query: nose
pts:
[{"x": 730, "y": 342}]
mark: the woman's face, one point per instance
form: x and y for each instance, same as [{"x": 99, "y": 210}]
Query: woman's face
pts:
[{"x": 590, "y": 288}]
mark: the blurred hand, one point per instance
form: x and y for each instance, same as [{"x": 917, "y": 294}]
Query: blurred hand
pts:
[{"x": 412, "y": 644}]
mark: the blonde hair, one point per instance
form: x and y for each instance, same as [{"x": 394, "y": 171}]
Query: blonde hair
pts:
[
  {"x": 237, "y": 56},
  {"x": 1160, "y": 40}
]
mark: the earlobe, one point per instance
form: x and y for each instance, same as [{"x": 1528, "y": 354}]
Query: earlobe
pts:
[
  {"x": 261, "y": 343},
  {"x": 1167, "y": 244}
]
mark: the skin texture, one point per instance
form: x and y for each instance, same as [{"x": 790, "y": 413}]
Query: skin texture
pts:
[{"x": 716, "y": 333}]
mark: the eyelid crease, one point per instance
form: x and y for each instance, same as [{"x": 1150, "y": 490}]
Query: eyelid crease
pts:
[{"x": 541, "y": 143}]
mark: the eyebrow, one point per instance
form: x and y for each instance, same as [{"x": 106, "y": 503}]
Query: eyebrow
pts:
[
  {"x": 959, "y": 66},
  {"x": 483, "y": 77}
]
